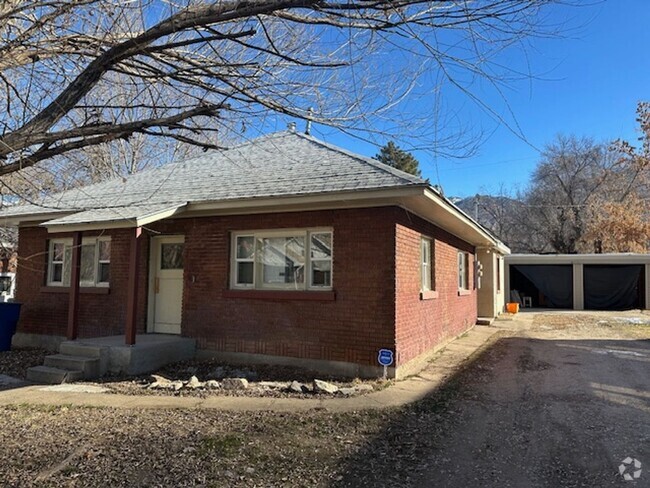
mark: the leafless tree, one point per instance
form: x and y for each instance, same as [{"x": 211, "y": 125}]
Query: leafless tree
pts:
[
  {"x": 197, "y": 68},
  {"x": 585, "y": 197},
  {"x": 620, "y": 214}
]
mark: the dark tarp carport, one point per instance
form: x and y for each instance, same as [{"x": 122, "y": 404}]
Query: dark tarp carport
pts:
[
  {"x": 554, "y": 282},
  {"x": 613, "y": 287}
]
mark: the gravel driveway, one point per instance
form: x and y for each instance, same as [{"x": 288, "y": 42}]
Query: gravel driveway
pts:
[{"x": 560, "y": 404}]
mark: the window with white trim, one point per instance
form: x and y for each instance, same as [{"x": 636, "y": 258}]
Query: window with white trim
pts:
[
  {"x": 60, "y": 255},
  {"x": 95, "y": 262},
  {"x": 282, "y": 260},
  {"x": 425, "y": 265},
  {"x": 463, "y": 271}
]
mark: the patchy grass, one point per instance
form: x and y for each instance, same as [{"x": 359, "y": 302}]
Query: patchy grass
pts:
[
  {"x": 225, "y": 446},
  {"x": 172, "y": 448},
  {"x": 633, "y": 324}
]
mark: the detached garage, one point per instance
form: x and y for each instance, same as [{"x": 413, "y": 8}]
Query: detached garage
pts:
[{"x": 579, "y": 281}]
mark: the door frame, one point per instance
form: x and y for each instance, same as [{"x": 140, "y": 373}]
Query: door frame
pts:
[{"x": 153, "y": 259}]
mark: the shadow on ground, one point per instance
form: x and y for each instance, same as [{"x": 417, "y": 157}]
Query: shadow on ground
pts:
[{"x": 522, "y": 413}]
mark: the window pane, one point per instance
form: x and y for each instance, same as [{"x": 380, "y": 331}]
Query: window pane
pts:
[
  {"x": 283, "y": 260},
  {"x": 321, "y": 273},
  {"x": 104, "y": 250},
  {"x": 245, "y": 247},
  {"x": 245, "y": 273},
  {"x": 87, "y": 270},
  {"x": 104, "y": 273},
  {"x": 426, "y": 277},
  {"x": 321, "y": 246},
  {"x": 58, "y": 249},
  {"x": 57, "y": 272},
  {"x": 5, "y": 283},
  {"x": 66, "y": 265},
  {"x": 462, "y": 270},
  {"x": 171, "y": 256}
]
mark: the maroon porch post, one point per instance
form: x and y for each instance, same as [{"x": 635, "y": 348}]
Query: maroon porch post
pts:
[
  {"x": 73, "y": 306},
  {"x": 132, "y": 302}
]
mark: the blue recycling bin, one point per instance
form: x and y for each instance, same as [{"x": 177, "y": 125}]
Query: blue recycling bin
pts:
[{"x": 9, "y": 313}]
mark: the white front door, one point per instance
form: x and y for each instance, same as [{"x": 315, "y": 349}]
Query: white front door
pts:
[{"x": 166, "y": 284}]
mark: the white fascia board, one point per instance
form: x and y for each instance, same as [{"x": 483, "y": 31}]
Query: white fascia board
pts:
[
  {"x": 115, "y": 224},
  {"x": 457, "y": 222},
  {"x": 303, "y": 202},
  {"x": 33, "y": 219},
  {"x": 627, "y": 258},
  {"x": 164, "y": 214}
]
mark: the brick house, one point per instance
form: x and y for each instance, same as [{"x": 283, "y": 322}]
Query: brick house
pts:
[{"x": 284, "y": 249}]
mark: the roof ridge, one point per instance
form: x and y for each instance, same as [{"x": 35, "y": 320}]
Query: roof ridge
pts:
[
  {"x": 365, "y": 159},
  {"x": 255, "y": 140}
]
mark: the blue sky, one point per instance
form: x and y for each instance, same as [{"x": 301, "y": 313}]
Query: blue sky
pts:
[{"x": 589, "y": 83}]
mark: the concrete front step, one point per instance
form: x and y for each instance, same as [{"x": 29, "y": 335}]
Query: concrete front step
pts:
[
  {"x": 88, "y": 366},
  {"x": 52, "y": 376},
  {"x": 74, "y": 348}
]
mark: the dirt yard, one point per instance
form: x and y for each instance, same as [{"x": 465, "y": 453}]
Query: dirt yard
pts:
[{"x": 560, "y": 400}]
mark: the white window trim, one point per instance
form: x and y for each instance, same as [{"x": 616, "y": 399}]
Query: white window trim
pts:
[
  {"x": 50, "y": 262},
  {"x": 463, "y": 271},
  {"x": 261, "y": 234},
  {"x": 235, "y": 260},
  {"x": 425, "y": 265},
  {"x": 329, "y": 259},
  {"x": 96, "y": 261}
]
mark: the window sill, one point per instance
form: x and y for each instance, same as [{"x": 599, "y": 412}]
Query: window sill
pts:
[
  {"x": 95, "y": 290},
  {"x": 462, "y": 293},
  {"x": 428, "y": 295},
  {"x": 322, "y": 296}
]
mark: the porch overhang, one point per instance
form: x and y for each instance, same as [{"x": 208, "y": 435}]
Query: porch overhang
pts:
[
  {"x": 434, "y": 207},
  {"x": 113, "y": 217}
]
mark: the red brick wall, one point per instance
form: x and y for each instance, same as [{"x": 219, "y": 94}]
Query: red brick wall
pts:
[
  {"x": 422, "y": 324},
  {"x": 46, "y": 311},
  {"x": 351, "y": 328}
]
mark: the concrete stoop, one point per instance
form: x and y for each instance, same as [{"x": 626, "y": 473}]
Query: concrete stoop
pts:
[
  {"x": 87, "y": 359},
  {"x": 74, "y": 362},
  {"x": 52, "y": 376}
]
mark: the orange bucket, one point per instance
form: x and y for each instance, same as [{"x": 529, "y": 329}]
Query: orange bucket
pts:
[{"x": 512, "y": 307}]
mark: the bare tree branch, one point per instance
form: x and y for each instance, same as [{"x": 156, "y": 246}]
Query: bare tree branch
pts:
[{"x": 61, "y": 61}]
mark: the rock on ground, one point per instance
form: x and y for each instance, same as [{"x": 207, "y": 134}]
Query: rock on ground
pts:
[
  {"x": 160, "y": 382},
  {"x": 234, "y": 384},
  {"x": 194, "y": 383},
  {"x": 296, "y": 387},
  {"x": 321, "y": 386}
]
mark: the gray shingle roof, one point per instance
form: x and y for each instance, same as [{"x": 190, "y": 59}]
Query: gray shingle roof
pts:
[{"x": 279, "y": 164}]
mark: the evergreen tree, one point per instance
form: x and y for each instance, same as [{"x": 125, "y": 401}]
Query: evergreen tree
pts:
[{"x": 392, "y": 155}]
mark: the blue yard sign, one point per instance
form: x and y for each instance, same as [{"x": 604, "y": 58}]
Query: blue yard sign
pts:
[{"x": 385, "y": 357}]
